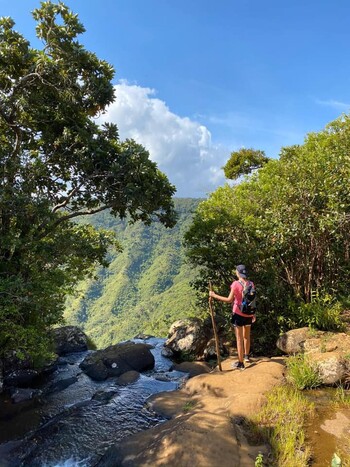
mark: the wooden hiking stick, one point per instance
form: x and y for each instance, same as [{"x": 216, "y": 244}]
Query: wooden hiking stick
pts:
[{"x": 214, "y": 329}]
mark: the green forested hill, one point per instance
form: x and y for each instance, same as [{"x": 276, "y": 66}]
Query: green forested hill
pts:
[{"x": 146, "y": 286}]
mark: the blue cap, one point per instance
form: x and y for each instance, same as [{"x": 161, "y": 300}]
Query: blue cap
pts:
[{"x": 241, "y": 269}]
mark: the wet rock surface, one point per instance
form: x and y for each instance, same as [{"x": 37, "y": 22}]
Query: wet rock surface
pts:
[
  {"x": 23, "y": 394},
  {"x": 71, "y": 419},
  {"x": 329, "y": 430},
  {"x": 339, "y": 425}
]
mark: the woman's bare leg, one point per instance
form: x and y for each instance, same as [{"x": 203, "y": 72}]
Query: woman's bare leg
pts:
[
  {"x": 240, "y": 344},
  {"x": 246, "y": 339}
]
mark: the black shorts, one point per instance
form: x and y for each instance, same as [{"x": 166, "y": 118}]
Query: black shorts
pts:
[{"x": 238, "y": 320}]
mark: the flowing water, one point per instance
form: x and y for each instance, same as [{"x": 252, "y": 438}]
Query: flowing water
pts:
[{"x": 76, "y": 425}]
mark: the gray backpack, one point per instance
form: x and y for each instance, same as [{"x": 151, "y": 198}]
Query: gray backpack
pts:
[{"x": 248, "y": 306}]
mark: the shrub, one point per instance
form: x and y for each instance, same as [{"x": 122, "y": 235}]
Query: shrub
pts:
[{"x": 323, "y": 312}]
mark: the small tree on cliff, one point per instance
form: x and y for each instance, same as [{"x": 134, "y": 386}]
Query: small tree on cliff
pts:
[
  {"x": 243, "y": 162},
  {"x": 57, "y": 164}
]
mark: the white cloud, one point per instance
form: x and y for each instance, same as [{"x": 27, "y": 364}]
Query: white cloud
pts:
[
  {"x": 340, "y": 106},
  {"x": 181, "y": 147}
]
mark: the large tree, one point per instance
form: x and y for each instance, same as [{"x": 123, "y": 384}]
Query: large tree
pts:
[{"x": 57, "y": 163}]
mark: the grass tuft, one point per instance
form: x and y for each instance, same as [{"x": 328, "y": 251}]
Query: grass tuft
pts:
[
  {"x": 282, "y": 422},
  {"x": 342, "y": 397},
  {"x": 302, "y": 373},
  {"x": 189, "y": 406}
]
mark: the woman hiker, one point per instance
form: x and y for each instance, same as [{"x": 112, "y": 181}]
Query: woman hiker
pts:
[{"x": 241, "y": 322}]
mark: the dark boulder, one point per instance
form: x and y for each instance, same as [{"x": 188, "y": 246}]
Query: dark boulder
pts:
[
  {"x": 104, "y": 396},
  {"x": 118, "y": 359},
  {"x": 23, "y": 394},
  {"x": 20, "y": 378},
  {"x": 62, "y": 384},
  {"x": 68, "y": 339},
  {"x": 128, "y": 378}
]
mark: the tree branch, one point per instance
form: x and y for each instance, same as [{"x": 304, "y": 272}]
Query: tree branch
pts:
[
  {"x": 30, "y": 77},
  {"x": 71, "y": 216},
  {"x": 16, "y": 128},
  {"x": 68, "y": 198}
]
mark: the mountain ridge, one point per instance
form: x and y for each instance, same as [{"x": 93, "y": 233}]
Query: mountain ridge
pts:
[{"x": 145, "y": 288}]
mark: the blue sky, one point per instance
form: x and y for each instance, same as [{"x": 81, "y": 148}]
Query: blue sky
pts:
[{"x": 197, "y": 79}]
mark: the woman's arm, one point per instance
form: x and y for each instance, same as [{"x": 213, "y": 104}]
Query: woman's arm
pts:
[{"x": 228, "y": 299}]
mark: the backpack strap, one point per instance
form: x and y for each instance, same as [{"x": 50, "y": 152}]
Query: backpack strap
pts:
[{"x": 243, "y": 284}]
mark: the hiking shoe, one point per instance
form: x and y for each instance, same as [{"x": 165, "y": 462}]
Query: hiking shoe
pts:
[
  {"x": 246, "y": 358},
  {"x": 238, "y": 366}
]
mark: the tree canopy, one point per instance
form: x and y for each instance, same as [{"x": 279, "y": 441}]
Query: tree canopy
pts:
[{"x": 56, "y": 164}]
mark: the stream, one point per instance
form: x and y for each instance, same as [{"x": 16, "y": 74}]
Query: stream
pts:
[{"x": 75, "y": 425}]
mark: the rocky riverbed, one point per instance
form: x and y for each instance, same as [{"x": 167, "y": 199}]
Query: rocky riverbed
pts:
[{"x": 72, "y": 419}]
